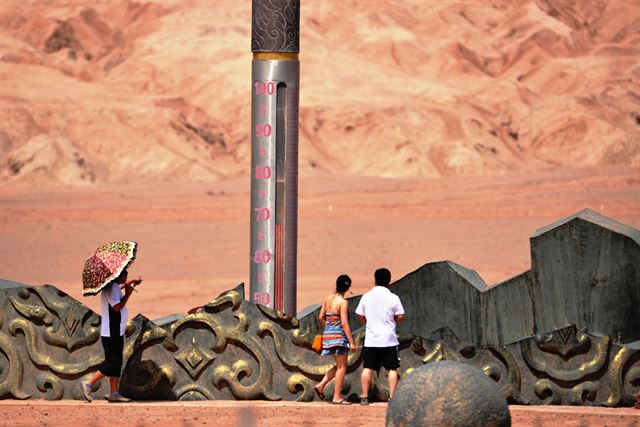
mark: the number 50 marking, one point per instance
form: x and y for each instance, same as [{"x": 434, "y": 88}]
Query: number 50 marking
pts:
[{"x": 261, "y": 298}]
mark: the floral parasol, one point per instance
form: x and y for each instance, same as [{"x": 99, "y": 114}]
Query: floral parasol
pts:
[{"x": 106, "y": 264}]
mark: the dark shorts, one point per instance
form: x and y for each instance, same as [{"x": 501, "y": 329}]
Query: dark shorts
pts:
[
  {"x": 113, "y": 347},
  {"x": 389, "y": 357},
  {"x": 334, "y": 350}
]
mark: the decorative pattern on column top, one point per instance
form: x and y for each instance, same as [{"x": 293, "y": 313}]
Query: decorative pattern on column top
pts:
[{"x": 275, "y": 26}]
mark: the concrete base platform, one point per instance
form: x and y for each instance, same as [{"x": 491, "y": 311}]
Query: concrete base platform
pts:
[{"x": 277, "y": 414}]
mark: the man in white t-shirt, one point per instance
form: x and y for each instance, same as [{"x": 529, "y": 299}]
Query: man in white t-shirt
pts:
[{"x": 381, "y": 310}]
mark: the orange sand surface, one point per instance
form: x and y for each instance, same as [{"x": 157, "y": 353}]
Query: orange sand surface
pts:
[{"x": 277, "y": 414}]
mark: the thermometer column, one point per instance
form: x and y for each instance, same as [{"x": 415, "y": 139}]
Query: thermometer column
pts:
[{"x": 274, "y": 153}]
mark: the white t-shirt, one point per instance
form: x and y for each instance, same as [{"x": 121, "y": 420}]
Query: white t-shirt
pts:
[
  {"x": 379, "y": 306},
  {"x": 112, "y": 321}
]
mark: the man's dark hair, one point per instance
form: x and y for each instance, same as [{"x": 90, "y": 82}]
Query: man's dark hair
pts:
[
  {"x": 343, "y": 283},
  {"x": 383, "y": 277}
]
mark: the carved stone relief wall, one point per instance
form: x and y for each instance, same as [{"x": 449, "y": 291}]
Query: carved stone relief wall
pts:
[
  {"x": 235, "y": 349},
  {"x": 48, "y": 341}
]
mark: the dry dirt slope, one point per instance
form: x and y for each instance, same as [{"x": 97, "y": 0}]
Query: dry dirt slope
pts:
[{"x": 113, "y": 92}]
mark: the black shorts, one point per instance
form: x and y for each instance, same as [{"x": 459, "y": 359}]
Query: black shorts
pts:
[
  {"x": 113, "y": 347},
  {"x": 389, "y": 357}
]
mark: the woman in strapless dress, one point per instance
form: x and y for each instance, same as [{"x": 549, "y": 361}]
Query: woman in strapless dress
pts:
[{"x": 336, "y": 338}]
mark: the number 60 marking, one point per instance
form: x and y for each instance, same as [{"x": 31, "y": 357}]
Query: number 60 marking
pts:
[{"x": 261, "y": 257}]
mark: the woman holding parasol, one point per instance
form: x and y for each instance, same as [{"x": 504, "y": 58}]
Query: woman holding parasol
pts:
[{"x": 105, "y": 272}]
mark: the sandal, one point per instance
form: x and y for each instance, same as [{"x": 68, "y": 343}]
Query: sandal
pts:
[
  {"x": 341, "y": 402},
  {"x": 319, "y": 393}
]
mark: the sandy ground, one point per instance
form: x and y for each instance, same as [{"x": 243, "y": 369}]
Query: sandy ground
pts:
[
  {"x": 194, "y": 240},
  {"x": 280, "y": 414}
]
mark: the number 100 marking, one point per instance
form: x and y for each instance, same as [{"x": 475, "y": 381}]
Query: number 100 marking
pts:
[{"x": 264, "y": 87}]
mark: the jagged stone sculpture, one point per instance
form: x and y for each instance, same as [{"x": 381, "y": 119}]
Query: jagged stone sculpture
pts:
[{"x": 585, "y": 270}]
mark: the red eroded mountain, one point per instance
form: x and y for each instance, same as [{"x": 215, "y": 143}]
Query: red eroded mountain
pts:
[{"x": 113, "y": 92}]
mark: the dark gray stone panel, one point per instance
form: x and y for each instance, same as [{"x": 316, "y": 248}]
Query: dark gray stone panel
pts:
[
  {"x": 507, "y": 313},
  {"x": 586, "y": 273},
  {"x": 441, "y": 294}
]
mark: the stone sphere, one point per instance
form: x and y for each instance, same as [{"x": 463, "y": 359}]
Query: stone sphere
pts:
[{"x": 447, "y": 394}]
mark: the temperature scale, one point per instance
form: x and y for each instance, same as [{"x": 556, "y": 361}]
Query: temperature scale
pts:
[{"x": 274, "y": 153}]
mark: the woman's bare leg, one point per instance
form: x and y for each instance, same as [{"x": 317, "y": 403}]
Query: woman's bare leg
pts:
[
  {"x": 327, "y": 377},
  {"x": 341, "y": 372}
]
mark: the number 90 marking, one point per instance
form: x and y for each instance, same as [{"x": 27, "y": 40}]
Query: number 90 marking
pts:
[{"x": 263, "y": 129}]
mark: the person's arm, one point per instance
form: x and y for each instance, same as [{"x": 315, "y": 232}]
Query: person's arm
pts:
[
  {"x": 399, "y": 315},
  {"x": 344, "y": 319},
  {"x": 360, "y": 314},
  {"x": 135, "y": 282},
  {"x": 322, "y": 313},
  {"x": 123, "y": 302}
]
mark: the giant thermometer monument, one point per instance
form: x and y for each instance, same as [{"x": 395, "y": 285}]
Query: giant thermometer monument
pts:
[{"x": 274, "y": 153}]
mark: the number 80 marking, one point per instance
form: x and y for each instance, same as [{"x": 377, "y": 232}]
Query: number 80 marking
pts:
[{"x": 263, "y": 172}]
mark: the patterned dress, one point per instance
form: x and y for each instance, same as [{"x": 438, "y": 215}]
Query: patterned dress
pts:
[{"x": 333, "y": 335}]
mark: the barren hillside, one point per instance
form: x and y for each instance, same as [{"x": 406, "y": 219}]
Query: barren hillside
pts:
[{"x": 115, "y": 92}]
